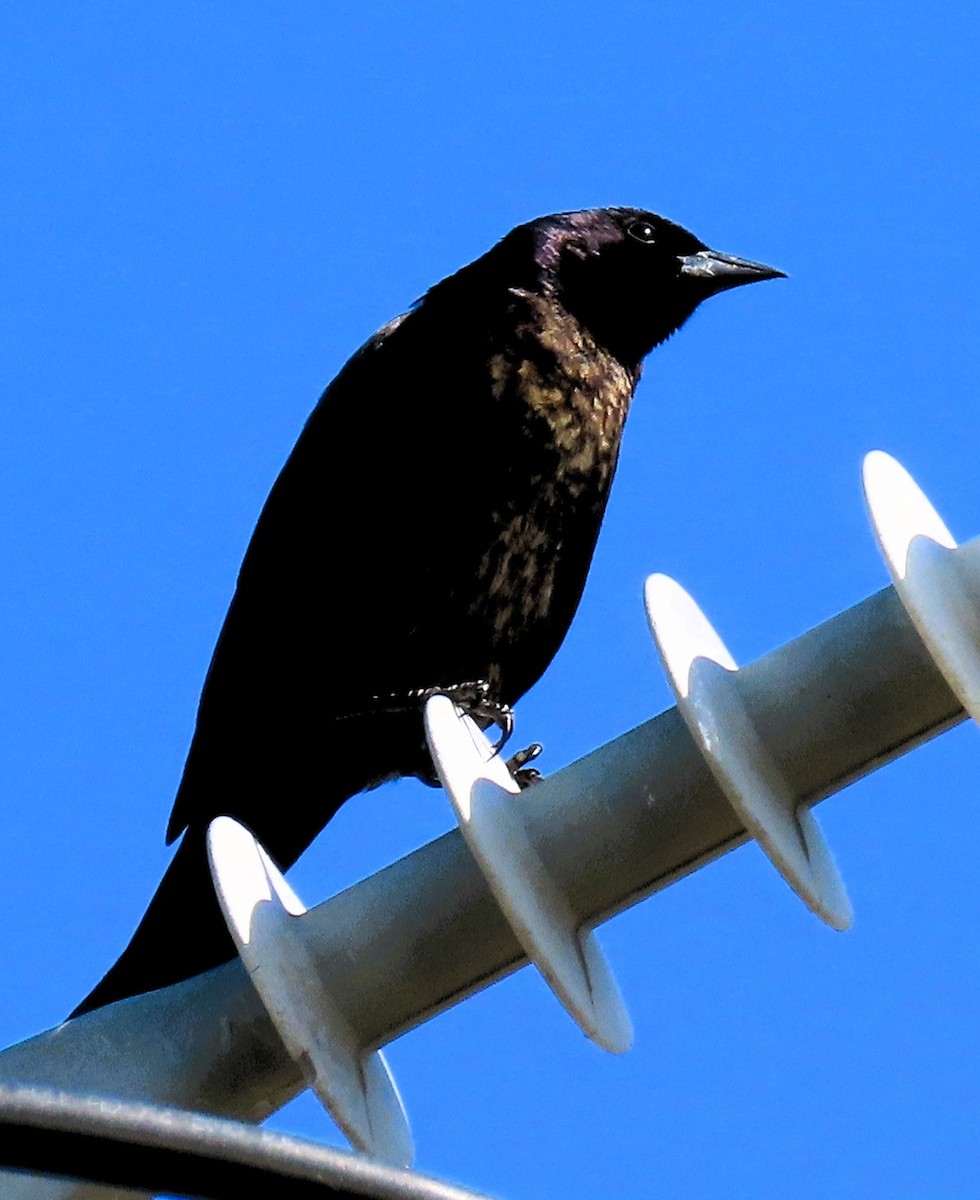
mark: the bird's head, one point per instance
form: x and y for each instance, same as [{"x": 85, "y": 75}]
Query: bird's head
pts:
[{"x": 631, "y": 277}]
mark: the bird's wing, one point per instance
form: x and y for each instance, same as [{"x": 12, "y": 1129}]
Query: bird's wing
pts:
[{"x": 348, "y": 592}]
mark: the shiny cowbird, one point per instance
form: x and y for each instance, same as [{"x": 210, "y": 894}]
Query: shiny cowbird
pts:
[{"x": 431, "y": 531}]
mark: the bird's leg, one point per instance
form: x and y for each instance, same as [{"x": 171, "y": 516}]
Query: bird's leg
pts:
[
  {"x": 475, "y": 700},
  {"x": 473, "y": 697}
]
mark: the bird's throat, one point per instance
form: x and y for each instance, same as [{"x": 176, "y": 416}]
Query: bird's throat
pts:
[{"x": 563, "y": 380}]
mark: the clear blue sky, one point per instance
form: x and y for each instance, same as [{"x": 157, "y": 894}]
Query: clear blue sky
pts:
[{"x": 204, "y": 210}]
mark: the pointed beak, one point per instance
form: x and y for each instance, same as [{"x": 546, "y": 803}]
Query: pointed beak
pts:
[{"x": 718, "y": 272}]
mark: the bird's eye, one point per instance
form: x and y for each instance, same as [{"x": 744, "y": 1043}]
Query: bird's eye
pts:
[{"x": 643, "y": 231}]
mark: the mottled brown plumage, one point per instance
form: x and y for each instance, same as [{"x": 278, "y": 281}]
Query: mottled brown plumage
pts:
[
  {"x": 572, "y": 397},
  {"x": 434, "y": 525}
]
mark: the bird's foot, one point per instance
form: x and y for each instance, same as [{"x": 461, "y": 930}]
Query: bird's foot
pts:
[
  {"x": 475, "y": 699},
  {"x": 525, "y": 776}
]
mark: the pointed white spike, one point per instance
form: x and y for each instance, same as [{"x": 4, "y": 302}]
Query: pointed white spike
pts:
[
  {"x": 481, "y": 790},
  {"x": 261, "y": 908},
  {"x": 704, "y": 678},
  {"x": 939, "y": 597}
]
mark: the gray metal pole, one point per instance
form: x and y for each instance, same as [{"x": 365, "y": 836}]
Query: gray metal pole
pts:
[
  {"x": 179, "y": 1152},
  {"x": 612, "y": 828}
]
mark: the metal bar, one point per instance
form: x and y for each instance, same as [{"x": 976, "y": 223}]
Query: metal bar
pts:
[
  {"x": 129, "y": 1145},
  {"x": 616, "y": 826}
]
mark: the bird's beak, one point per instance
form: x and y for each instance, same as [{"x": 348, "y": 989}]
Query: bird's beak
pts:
[{"x": 718, "y": 272}]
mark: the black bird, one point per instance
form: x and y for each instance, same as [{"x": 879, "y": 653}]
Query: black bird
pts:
[{"x": 433, "y": 528}]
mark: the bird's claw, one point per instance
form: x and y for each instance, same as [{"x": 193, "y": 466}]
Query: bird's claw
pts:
[
  {"x": 524, "y": 775},
  {"x": 475, "y": 700},
  {"x": 503, "y": 718}
]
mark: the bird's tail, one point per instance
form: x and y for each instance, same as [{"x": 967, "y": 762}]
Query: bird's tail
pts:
[{"x": 182, "y": 934}]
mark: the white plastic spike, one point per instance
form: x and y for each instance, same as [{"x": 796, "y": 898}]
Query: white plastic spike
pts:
[
  {"x": 481, "y": 790},
  {"x": 704, "y": 678},
  {"x": 261, "y": 909},
  {"x": 938, "y": 596}
]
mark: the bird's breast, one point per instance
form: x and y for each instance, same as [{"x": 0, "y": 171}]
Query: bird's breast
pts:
[
  {"x": 572, "y": 395},
  {"x": 565, "y": 401}
]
